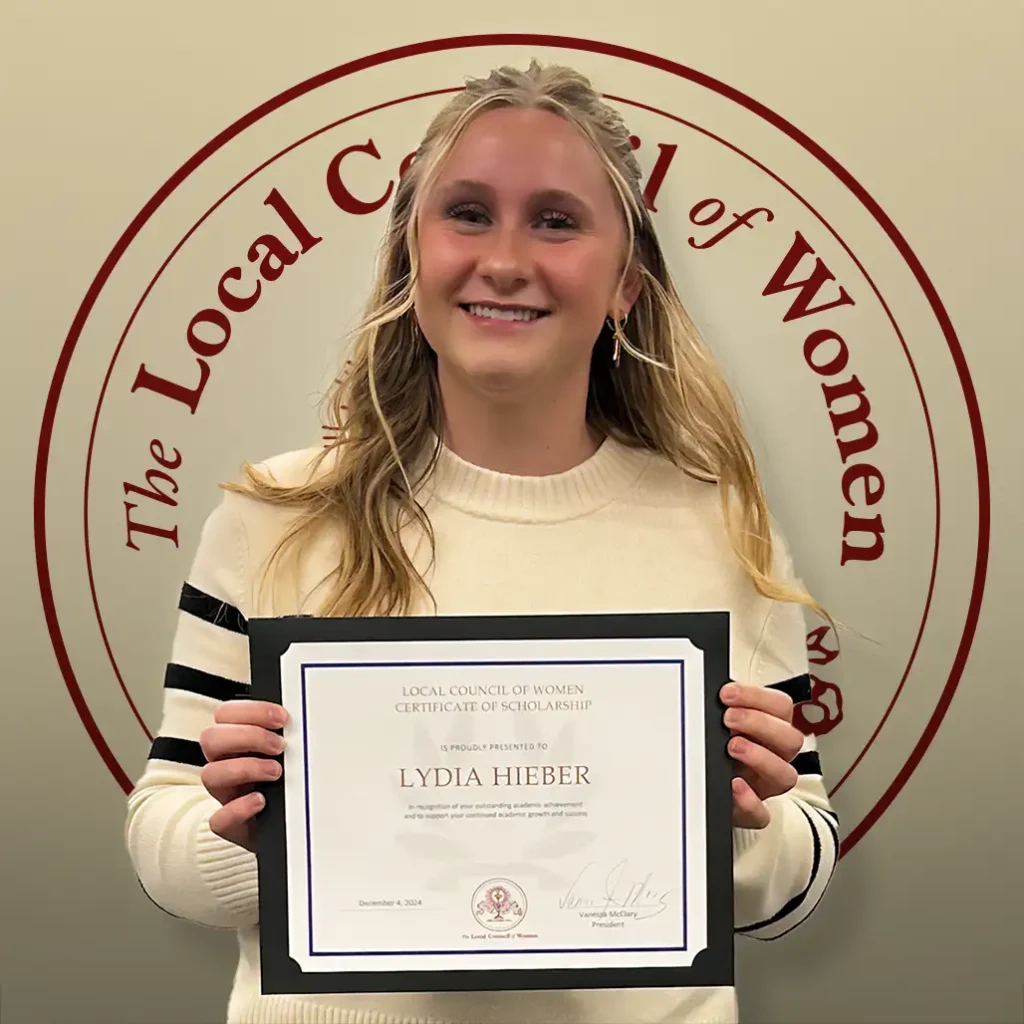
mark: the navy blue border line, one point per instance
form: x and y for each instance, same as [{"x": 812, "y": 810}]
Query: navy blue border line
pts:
[{"x": 478, "y": 664}]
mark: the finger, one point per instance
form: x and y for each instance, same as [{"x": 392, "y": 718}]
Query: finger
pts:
[
  {"x": 772, "y": 775},
  {"x": 251, "y": 712},
  {"x": 231, "y": 740},
  {"x": 748, "y": 810},
  {"x": 225, "y": 780},
  {"x": 231, "y": 821},
  {"x": 777, "y": 735},
  {"x": 760, "y": 698}
]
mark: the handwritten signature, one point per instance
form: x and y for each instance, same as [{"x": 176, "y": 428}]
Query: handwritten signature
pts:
[{"x": 620, "y": 888}]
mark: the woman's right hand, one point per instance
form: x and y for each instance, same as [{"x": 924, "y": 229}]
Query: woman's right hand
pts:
[{"x": 232, "y": 746}]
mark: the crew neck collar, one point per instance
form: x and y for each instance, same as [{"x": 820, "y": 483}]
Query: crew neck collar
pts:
[{"x": 604, "y": 477}]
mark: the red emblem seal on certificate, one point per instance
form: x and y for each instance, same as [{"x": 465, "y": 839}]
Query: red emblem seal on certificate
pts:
[{"x": 499, "y": 905}]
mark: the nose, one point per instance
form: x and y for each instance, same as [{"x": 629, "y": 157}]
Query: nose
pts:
[{"x": 504, "y": 262}]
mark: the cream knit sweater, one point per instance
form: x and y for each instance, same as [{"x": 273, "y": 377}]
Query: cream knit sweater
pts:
[{"x": 624, "y": 531}]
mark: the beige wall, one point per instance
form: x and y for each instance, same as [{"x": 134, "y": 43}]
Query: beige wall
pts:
[{"x": 919, "y": 101}]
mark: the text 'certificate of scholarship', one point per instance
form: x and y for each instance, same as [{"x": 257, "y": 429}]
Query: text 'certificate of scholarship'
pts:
[{"x": 496, "y": 803}]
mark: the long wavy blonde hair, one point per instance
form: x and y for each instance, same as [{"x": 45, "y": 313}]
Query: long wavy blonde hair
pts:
[{"x": 666, "y": 395}]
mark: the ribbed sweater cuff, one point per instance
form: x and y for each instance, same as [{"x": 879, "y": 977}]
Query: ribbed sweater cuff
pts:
[
  {"x": 743, "y": 839},
  {"x": 230, "y": 873},
  {"x": 296, "y": 1010}
]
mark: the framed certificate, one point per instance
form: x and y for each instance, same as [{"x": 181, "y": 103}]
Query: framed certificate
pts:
[{"x": 484, "y": 803}]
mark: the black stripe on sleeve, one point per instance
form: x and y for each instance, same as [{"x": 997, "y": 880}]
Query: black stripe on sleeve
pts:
[
  {"x": 821, "y": 895},
  {"x": 171, "y": 748},
  {"x": 211, "y": 609},
  {"x": 831, "y": 813},
  {"x": 798, "y": 688},
  {"x": 194, "y": 680},
  {"x": 154, "y": 902},
  {"x": 831, "y": 823},
  {"x": 807, "y": 763},
  {"x": 795, "y": 902}
]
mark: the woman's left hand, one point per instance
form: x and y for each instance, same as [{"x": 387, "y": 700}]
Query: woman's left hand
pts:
[{"x": 764, "y": 741}]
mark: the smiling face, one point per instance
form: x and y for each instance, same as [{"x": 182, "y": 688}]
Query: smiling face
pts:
[{"x": 521, "y": 246}]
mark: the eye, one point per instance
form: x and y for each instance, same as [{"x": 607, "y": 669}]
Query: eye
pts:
[
  {"x": 467, "y": 213},
  {"x": 556, "y": 219}
]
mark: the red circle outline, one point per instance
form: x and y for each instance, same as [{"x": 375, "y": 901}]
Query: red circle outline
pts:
[
  {"x": 619, "y": 99},
  {"x": 534, "y": 39}
]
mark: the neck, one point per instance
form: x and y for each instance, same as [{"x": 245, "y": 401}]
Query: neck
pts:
[{"x": 540, "y": 437}]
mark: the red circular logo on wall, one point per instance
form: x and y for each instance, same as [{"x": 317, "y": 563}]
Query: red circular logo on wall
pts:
[{"x": 215, "y": 323}]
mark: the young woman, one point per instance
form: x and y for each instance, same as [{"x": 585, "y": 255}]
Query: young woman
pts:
[{"x": 531, "y": 424}]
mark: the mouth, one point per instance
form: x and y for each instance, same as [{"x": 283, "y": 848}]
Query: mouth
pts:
[{"x": 503, "y": 314}]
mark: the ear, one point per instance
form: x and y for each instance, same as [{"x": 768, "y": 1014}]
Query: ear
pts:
[{"x": 627, "y": 295}]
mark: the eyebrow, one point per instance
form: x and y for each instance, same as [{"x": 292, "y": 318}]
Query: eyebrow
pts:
[{"x": 555, "y": 196}]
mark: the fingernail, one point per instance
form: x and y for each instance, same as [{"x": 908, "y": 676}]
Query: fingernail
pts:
[
  {"x": 273, "y": 769},
  {"x": 259, "y": 800},
  {"x": 737, "y": 746},
  {"x": 277, "y": 744},
  {"x": 733, "y": 716},
  {"x": 280, "y": 716},
  {"x": 730, "y": 692}
]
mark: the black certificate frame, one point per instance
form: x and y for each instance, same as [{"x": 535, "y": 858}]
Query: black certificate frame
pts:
[{"x": 270, "y": 638}]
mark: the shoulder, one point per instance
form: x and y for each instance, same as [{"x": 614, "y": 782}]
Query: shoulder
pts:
[
  {"x": 662, "y": 482},
  {"x": 692, "y": 505},
  {"x": 254, "y": 512},
  {"x": 244, "y": 530},
  {"x": 294, "y": 468},
  {"x": 691, "y": 512},
  {"x": 683, "y": 516},
  {"x": 699, "y": 502},
  {"x": 244, "y": 518},
  {"x": 291, "y": 469}
]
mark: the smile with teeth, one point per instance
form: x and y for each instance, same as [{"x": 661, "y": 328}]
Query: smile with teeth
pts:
[{"x": 496, "y": 313}]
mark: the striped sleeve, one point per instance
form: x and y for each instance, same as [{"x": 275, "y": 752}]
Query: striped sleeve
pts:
[
  {"x": 181, "y": 865},
  {"x": 781, "y": 872}
]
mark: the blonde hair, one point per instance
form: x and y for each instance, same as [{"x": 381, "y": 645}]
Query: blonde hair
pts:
[{"x": 667, "y": 394}]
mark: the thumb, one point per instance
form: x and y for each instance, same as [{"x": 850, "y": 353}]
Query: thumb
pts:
[{"x": 748, "y": 810}]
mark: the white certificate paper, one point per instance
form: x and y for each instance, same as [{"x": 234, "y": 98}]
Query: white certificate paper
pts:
[{"x": 486, "y": 804}]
